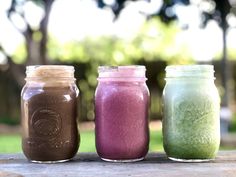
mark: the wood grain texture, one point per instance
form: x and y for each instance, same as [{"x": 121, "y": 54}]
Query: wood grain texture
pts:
[{"x": 89, "y": 164}]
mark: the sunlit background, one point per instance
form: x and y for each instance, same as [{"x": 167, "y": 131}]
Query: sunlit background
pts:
[
  {"x": 89, "y": 33},
  {"x": 74, "y": 22}
]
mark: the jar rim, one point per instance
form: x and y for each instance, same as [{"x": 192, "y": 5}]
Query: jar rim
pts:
[
  {"x": 50, "y": 71},
  {"x": 197, "y": 71},
  {"x": 190, "y": 67},
  {"x": 117, "y": 68},
  {"x": 122, "y": 73},
  {"x": 51, "y": 67}
]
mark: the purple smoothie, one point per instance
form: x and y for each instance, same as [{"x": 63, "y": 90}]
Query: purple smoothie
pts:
[{"x": 121, "y": 109}]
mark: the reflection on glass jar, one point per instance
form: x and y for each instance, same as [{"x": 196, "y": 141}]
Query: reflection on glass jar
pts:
[
  {"x": 191, "y": 127},
  {"x": 48, "y": 114},
  {"x": 121, "y": 113}
]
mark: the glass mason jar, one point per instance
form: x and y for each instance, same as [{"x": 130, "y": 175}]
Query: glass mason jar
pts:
[
  {"x": 121, "y": 113},
  {"x": 48, "y": 114},
  {"x": 191, "y": 124}
]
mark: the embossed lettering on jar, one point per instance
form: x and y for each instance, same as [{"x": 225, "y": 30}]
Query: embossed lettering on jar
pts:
[
  {"x": 191, "y": 130},
  {"x": 48, "y": 112}
]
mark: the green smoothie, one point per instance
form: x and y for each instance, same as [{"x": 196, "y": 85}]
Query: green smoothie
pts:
[{"x": 191, "y": 129}]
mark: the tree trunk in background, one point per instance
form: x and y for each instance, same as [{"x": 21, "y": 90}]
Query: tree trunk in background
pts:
[
  {"x": 44, "y": 31},
  {"x": 36, "y": 50},
  {"x": 225, "y": 67},
  {"x": 225, "y": 113}
]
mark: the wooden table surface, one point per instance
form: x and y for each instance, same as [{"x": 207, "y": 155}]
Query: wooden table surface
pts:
[{"x": 89, "y": 164}]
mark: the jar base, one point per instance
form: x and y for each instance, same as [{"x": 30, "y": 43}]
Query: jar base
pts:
[
  {"x": 189, "y": 160},
  {"x": 122, "y": 160},
  {"x": 50, "y": 161}
]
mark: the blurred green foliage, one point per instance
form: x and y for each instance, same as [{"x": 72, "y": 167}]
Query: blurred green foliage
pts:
[
  {"x": 6, "y": 120},
  {"x": 155, "y": 40},
  {"x": 155, "y": 46},
  {"x": 232, "y": 127}
]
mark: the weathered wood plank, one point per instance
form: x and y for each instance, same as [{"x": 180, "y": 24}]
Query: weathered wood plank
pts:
[{"x": 89, "y": 164}]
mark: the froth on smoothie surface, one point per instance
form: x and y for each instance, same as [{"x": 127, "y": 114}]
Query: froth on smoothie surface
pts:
[
  {"x": 50, "y": 71},
  {"x": 121, "y": 71}
]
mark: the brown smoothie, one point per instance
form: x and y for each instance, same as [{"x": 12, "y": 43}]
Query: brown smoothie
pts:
[{"x": 49, "y": 122}]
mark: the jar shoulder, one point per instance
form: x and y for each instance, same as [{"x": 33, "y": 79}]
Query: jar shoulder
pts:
[
  {"x": 190, "y": 87},
  {"x": 191, "y": 90},
  {"x": 67, "y": 92},
  {"x": 130, "y": 88}
]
